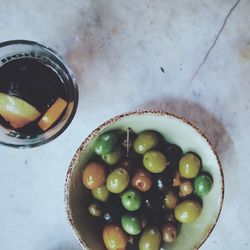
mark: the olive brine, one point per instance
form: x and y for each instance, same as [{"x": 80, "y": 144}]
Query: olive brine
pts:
[
  {"x": 143, "y": 189},
  {"x": 33, "y": 96}
]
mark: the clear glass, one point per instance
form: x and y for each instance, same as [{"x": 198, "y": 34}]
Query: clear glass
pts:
[{"x": 11, "y": 50}]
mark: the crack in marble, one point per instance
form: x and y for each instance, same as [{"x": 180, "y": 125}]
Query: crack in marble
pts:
[{"x": 214, "y": 42}]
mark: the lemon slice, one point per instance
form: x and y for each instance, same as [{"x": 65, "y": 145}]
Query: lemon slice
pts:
[
  {"x": 17, "y": 111},
  {"x": 52, "y": 114}
]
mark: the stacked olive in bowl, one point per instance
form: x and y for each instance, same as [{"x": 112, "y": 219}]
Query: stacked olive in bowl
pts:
[{"x": 143, "y": 189}]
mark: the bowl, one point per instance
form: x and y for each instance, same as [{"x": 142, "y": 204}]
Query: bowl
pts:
[{"x": 175, "y": 129}]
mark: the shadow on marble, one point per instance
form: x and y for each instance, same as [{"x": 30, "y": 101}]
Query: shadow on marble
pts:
[
  {"x": 96, "y": 29},
  {"x": 200, "y": 117}
]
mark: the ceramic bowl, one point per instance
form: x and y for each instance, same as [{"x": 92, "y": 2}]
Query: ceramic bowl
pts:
[{"x": 175, "y": 129}]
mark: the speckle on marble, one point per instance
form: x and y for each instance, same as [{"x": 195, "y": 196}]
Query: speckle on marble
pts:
[{"x": 117, "y": 49}]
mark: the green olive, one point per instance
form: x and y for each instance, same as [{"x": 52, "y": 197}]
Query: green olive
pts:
[
  {"x": 171, "y": 199},
  {"x": 131, "y": 199},
  {"x": 101, "y": 193},
  {"x": 145, "y": 141},
  {"x": 187, "y": 211},
  {"x": 202, "y": 185},
  {"x": 131, "y": 224},
  {"x": 154, "y": 161},
  {"x": 189, "y": 166},
  {"x": 117, "y": 180},
  {"x": 105, "y": 143},
  {"x": 150, "y": 239},
  {"x": 113, "y": 157},
  {"x": 95, "y": 210}
]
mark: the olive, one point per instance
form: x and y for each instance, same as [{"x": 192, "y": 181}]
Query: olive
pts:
[
  {"x": 189, "y": 166},
  {"x": 177, "y": 179},
  {"x": 113, "y": 209},
  {"x": 145, "y": 141},
  {"x": 150, "y": 239},
  {"x": 114, "y": 237},
  {"x": 133, "y": 242},
  {"x": 170, "y": 199},
  {"x": 127, "y": 165},
  {"x": 105, "y": 143},
  {"x": 186, "y": 188},
  {"x": 131, "y": 224},
  {"x": 156, "y": 217},
  {"x": 173, "y": 154},
  {"x": 181, "y": 195},
  {"x": 187, "y": 211},
  {"x": 169, "y": 216},
  {"x": 160, "y": 183},
  {"x": 112, "y": 212},
  {"x": 101, "y": 193},
  {"x": 144, "y": 221},
  {"x": 169, "y": 233},
  {"x": 142, "y": 180},
  {"x": 131, "y": 200},
  {"x": 113, "y": 157},
  {"x": 163, "y": 180},
  {"x": 202, "y": 185},
  {"x": 94, "y": 175},
  {"x": 153, "y": 201},
  {"x": 154, "y": 161},
  {"x": 95, "y": 210},
  {"x": 117, "y": 180}
]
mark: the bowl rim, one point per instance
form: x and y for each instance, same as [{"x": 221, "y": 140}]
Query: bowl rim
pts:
[{"x": 116, "y": 118}]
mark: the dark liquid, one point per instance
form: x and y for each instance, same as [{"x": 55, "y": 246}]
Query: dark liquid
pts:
[{"x": 37, "y": 82}]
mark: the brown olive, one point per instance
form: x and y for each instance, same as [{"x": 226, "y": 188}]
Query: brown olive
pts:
[
  {"x": 181, "y": 195},
  {"x": 95, "y": 210},
  {"x": 94, "y": 175},
  {"x": 177, "y": 179},
  {"x": 114, "y": 237},
  {"x": 142, "y": 180},
  {"x": 170, "y": 199},
  {"x": 186, "y": 187},
  {"x": 169, "y": 233}
]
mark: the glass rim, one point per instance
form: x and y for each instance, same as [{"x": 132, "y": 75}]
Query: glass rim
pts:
[{"x": 74, "y": 88}]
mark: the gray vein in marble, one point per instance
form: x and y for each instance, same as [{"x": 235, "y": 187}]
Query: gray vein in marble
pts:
[{"x": 214, "y": 42}]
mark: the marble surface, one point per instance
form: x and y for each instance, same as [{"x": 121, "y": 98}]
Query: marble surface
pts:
[{"x": 117, "y": 49}]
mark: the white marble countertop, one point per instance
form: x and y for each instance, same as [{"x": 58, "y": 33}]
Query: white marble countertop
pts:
[{"x": 117, "y": 49}]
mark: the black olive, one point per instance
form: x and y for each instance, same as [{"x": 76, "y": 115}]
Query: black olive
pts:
[
  {"x": 164, "y": 180},
  {"x": 153, "y": 200},
  {"x": 156, "y": 218},
  {"x": 113, "y": 210},
  {"x": 133, "y": 242},
  {"x": 111, "y": 214},
  {"x": 173, "y": 154},
  {"x": 169, "y": 216}
]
